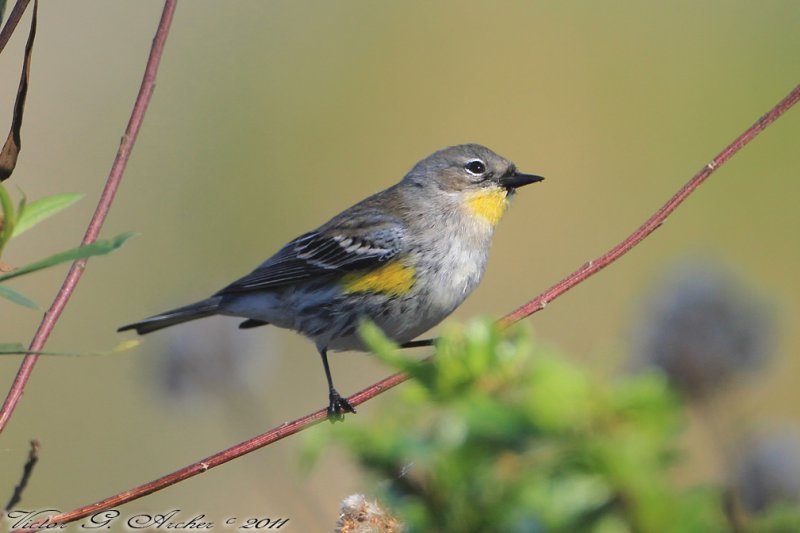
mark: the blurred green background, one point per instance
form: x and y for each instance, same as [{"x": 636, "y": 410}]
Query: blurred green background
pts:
[{"x": 270, "y": 117}]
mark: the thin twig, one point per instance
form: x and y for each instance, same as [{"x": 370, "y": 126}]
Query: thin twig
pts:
[
  {"x": 27, "y": 470},
  {"x": 96, "y": 223},
  {"x": 370, "y": 392},
  {"x": 592, "y": 267},
  {"x": 276, "y": 434},
  {"x": 12, "y": 21}
]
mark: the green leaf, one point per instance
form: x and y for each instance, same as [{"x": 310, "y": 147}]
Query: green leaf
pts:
[
  {"x": 38, "y": 210},
  {"x": 17, "y": 298},
  {"x": 9, "y": 217},
  {"x": 11, "y": 347},
  {"x": 23, "y": 201},
  {"x": 15, "y": 348},
  {"x": 81, "y": 252}
]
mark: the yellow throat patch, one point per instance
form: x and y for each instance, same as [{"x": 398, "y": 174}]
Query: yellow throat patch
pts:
[
  {"x": 489, "y": 205},
  {"x": 394, "y": 279}
]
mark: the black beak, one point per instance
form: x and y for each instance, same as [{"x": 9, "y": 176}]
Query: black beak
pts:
[{"x": 517, "y": 180}]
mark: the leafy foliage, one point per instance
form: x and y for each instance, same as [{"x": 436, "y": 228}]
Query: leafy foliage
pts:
[
  {"x": 15, "y": 221},
  {"x": 498, "y": 434}
]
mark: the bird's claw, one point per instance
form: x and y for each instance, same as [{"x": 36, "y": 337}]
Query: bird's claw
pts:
[{"x": 337, "y": 406}]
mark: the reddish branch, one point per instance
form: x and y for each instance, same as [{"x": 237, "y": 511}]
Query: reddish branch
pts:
[
  {"x": 592, "y": 267},
  {"x": 276, "y": 434},
  {"x": 537, "y": 304},
  {"x": 96, "y": 223}
]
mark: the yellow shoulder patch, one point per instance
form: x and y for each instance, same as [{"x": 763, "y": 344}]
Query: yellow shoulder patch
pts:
[
  {"x": 490, "y": 204},
  {"x": 392, "y": 278}
]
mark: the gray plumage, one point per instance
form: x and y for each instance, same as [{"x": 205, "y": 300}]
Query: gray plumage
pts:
[{"x": 433, "y": 228}]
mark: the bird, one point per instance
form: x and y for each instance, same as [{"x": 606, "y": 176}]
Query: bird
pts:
[{"x": 404, "y": 258}]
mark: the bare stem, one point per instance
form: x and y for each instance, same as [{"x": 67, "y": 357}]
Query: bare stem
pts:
[
  {"x": 652, "y": 223},
  {"x": 370, "y": 392},
  {"x": 96, "y": 223},
  {"x": 276, "y": 434}
]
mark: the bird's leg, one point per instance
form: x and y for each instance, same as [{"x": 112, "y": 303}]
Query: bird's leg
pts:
[
  {"x": 419, "y": 343},
  {"x": 337, "y": 405}
]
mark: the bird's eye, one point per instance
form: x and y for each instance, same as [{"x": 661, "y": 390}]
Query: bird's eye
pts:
[{"x": 475, "y": 167}]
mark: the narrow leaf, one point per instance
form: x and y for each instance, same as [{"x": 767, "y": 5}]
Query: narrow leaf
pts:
[
  {"x": 38, "y": 210},
  {"x": 10, "y": 151},
  {"x": 12, "y": 347},
  {"x": 17, "y": 298},
  {"x": 81, "y": 252},
  {"x": 23, "y": 201},
  {"x": 7, "y": 217},
  {"x": 17, "y": 349}
]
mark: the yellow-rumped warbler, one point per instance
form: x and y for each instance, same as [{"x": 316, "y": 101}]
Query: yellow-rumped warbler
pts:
[{"x": 404, "y": 258}]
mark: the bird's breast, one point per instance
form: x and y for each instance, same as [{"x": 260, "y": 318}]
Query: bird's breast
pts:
[{"x": 453, "y": 267}]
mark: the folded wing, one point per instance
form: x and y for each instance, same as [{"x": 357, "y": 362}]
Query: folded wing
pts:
[{"x": 331, "y": 251}]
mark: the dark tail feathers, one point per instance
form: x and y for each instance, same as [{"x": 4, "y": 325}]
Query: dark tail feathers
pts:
[{"x": 176, "y": 316}]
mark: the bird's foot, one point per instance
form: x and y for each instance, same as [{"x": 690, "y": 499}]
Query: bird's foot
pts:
[{"x": 337, "y": 406}]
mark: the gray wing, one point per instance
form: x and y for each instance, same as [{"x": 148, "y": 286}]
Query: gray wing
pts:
[{"x": 334, "y": 249}]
